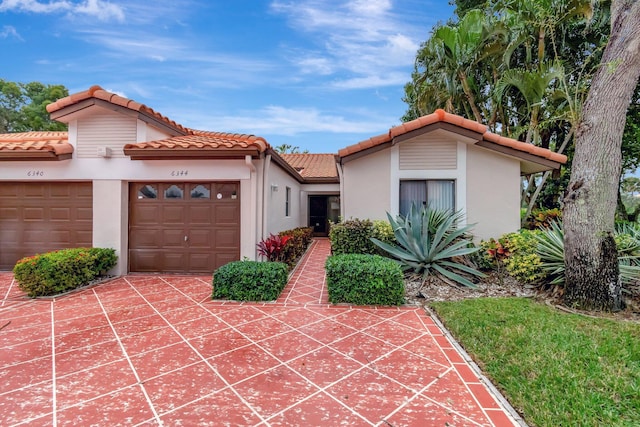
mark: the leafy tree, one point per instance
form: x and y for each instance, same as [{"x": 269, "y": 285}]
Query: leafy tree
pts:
[
  {"x": 289, "y": 149},
  {"x": 521, "y": 67},
  {"x": 592, "y": 278},
  {"x": 23, "y": 106}
]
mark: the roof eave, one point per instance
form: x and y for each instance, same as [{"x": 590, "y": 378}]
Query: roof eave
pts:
[
  {"x": 529, "y": 163},
  {"x": 65, "y": 114},
  {"x": 29, "y": 155},
  {"x": 187, "y": 153}
]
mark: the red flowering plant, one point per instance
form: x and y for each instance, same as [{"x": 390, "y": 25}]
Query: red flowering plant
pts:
[
  {"x": 497, "y": 253},
  {"x": 271, "y": 247}
]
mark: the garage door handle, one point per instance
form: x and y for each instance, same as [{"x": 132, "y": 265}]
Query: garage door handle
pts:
[{"x": 186, "y": 238}]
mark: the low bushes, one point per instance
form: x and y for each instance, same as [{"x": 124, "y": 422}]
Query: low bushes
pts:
[
  {"x": 299, "y": 240},
  {"x": 249, "y": 281},
  {"x": 364, "y": 280},
  {"x": 60, "y": 271},
  {"x": 354, "y": 236}
]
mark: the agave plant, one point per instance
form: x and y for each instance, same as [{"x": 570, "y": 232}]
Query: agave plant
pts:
[
  {"x": 431, "y": 244},
  {"x": 551, "y": 252}
]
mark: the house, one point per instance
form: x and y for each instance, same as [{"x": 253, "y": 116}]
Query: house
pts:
[{"x": 178, "y": 200}]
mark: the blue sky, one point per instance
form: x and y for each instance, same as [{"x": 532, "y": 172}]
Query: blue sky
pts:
[{"x": 317, "y": 74}]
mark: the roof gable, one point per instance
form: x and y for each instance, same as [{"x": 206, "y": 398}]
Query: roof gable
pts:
[
  {"x": 95, "y": 95},
  {"x": 528, "y": 153}
]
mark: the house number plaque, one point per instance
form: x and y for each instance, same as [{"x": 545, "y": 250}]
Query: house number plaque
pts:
[
  {"x": 180, "y": 173},
  {"x": 35, "y": 173}
]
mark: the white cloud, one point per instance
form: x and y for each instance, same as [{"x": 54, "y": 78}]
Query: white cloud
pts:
[
  {"x": 9, "y": 31},
  {"x": 363, "y": 43},
  {"x": 279, "y": 120},
  {"x": 100, "y": 9}
]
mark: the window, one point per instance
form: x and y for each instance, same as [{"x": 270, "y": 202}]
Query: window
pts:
[
  {"x": 287, "y": 202},
  {"x": 200, "y": 191},
  {"x": 173, "y": 192},
  {"x": 147, "y": 192},
  {"x": 439, "y": 194}
]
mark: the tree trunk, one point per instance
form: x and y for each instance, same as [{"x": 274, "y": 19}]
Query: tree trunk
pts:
[{"x": 592, "y": 279}]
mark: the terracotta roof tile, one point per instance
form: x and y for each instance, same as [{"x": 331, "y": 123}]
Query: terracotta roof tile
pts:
[
  {"x": 442, "y": 116},
  {"x": 55, "y": 143},
  {"x": 313, "y": 165},
  {"x": 203, "y": 140},
  {"x": 98, "y": 93}
]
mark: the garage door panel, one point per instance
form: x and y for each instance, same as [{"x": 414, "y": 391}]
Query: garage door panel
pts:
[
  {"x": 200, "y": 262},
  {"x": 172, "y": 238},
  {"x": 199, "y": 239},
  {"x": 85, "y": 214},
  {"x": 61, "y": 236},
  {"x": 146, "y": 261},
  {"x": 227, "y": 214},
  {"x": 146, "y": 238},
  {"x": 225, "y": 238},
  {"x": 173, "y": 215},
  {"x": 146, "y": 214},
  {"x": 60, "y": 214},
  {"x": 201, "y": 214},
  {"x": 33, "y": 214},
  {"x": 9, "y": 236},
  {"x": 174, "y": 261},
  {"x": 9, "y": 214},
  {"x": 35, "y": 191},
  {"x": 211, "y": 225}
]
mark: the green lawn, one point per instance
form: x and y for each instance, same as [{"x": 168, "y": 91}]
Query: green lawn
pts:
[{"x": 556, "y": 369}]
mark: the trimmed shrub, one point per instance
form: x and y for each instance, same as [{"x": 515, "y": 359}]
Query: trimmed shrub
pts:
[
  {"x": 300, "y": 239},
  {"x": 249, "y": 281},
  {"x": 352, "y": 237},
  {"x": 364, "y": 280},
  {"x": 383, "y": 231},
  {"x": 60, "y": 271}
]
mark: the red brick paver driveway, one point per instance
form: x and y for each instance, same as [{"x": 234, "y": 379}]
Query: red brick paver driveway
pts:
[{"x": 155, "y": 350}]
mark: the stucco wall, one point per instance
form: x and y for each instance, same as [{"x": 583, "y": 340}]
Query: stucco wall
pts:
[
  {"x": 493, "y": 193},
  {"x": 275, "y": 195},
  {"x": 367, "y": 186}
]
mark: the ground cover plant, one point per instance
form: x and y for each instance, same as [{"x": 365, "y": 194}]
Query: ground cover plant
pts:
[
  {"x": 56, "y": 272},
  {"x": 555, "y": 368}
]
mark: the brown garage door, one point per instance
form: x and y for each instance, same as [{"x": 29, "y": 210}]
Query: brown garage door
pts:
[
  {"x": 38, "y": 217},
  {"x": 185, "y": 227}
]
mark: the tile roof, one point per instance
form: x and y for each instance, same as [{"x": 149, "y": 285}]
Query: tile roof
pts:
[
  {"x": 313, "y": 165},
  {"x": 441, "y": 116},
  {"x": 31, "y": 145},
  {"x": 201, "y": 144},
  {"x": 98, "y": 93}
]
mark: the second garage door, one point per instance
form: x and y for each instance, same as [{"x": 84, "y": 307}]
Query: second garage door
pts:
[
  {"x": 187, "y": 227},
  {"x": 38, "y": 217}
]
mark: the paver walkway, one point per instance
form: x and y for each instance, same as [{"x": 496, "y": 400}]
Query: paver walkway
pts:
[{"x": 155, "y": 350}]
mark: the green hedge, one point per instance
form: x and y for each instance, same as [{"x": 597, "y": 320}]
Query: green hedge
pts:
[
  {"x": 60, "y": 271},
  {"x": 301, "y": 238},
  {"x": 250, "y": 281},
  {"x": 354, "y": 236},
  {"x": 364, "y": 280}
]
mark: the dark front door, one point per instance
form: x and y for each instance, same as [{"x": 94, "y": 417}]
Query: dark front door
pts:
[
  {"x": 318, "y": 215},
  {"x": 322, "y": 210}
]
